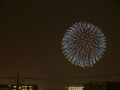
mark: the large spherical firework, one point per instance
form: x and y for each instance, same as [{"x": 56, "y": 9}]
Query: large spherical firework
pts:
[{"x": 83, "y": 44}]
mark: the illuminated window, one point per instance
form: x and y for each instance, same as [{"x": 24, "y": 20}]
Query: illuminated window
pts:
[
  {"x": 14, "y": 86},
  {"x": 30, "y": 86},
  {"x": 75, "y": 88},
  {"x": 30, "y": 89},
  {"x": 20, "y": 87}
]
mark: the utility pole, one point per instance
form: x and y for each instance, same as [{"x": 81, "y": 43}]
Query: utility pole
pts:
[{"x": 18, "y": 83}]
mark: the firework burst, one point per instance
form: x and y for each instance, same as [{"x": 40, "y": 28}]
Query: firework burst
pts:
[{"x": 83, "y": 44}]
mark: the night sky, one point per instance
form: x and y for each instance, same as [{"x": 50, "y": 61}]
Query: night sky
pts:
[{"x": 31, "y": 33}]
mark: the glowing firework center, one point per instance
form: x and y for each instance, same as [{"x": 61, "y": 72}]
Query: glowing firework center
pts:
[{"x": 83, "y": 44}]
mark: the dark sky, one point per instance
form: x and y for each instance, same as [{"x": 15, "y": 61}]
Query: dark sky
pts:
[{"x": 31, "y": 33}]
